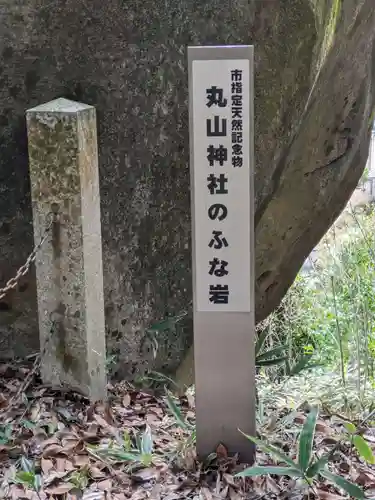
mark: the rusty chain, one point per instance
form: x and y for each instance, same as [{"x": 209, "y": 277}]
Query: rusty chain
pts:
[{"x": 23, "y": 270}]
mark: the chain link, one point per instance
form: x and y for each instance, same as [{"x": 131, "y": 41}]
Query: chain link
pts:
[{"x": 23, "y": 270}]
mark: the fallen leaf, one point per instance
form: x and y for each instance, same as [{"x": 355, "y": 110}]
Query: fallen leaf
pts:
[
  {"x": 105, "y": 485},
  {"x": 323, "y": 428},
  {"x": 96, "y": 473},
  {"x": 53, "y": 451},
  {"x": 230, "y": 480},
  {"x": 95, "y": 495},
  {"x": 326, "y": 495},
  {"x": 81, "y": 460},
  {"x": 50, "y": 441},
  {"x": 60, "y": 489},
  {"x": 271, "y": 485},
  {"x": 207, "y": 495},
  {"x": 221, "y": 451},
  {"x": 126, "y": 400},
  {"x": 54, "y": 477},
  {"x": 3, "y": 401},
  {"x": 234, "y": 495},
  {"x": 60, "y": 464},
  {"x": 145, "y": 475},
  {"x": 46, "y": 465}
]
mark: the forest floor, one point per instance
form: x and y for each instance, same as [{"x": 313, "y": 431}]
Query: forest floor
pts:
[{"x": 56, "y": 445}]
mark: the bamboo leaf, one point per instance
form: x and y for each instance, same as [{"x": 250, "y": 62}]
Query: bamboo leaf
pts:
[
  {"x": 175, "y": 411},
  {"x": 122, "y": 456},
  {"x": 350, "y": 488},
  {"x": 38, "y": 482},
  {"x": 146, "y": 442},
  {"x": 167, "y": 323},
  {"x": 24, "y": 477},
  {"x": 363, "y": 449},
  {"x": 271, "y": 353},
  {"x": 302, "y": 364},
  {"x": 351, "y": 428},
  {"x": 317, "y": 466},
  {"x": 270, "y": 362},
  {"x": 26, "y": 465},
  {"x": 260, "y": 341},
  {"x": 268, "y": 469},
  {"x": 262, "y": 445},
  {"x": 306, "y": 440}
]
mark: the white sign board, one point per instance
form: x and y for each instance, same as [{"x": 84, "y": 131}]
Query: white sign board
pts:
[
  {"x": 221, "y": 177},
  {"x": 222, "y": 189}
]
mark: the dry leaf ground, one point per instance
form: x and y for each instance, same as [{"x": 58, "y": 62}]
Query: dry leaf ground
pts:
[{"x": 59, "y": 435}]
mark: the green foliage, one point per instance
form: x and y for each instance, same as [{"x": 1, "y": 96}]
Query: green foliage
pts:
[
  {"x": 325, "y": 318},
  {"x": 306, "y": 467},
  {"x": 139, "y": 453},
  {"x": 80, "y": 478},
  {"x": 167, "y": 325},
  {"x": 176, "y": 412},
  {"x": 271, "y": 357},
  {"x": 306, "y": 440},
  {"x": 5, "y": 434},
  {"x": 359, "y": 443},
  {"x": 28, "y": 477}
]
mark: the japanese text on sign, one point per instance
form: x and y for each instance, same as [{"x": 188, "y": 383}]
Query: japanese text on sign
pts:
[{"x": 221, "y": 156}]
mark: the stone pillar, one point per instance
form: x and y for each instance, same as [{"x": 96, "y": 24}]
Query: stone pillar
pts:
[{"x": 64, "y": 178}]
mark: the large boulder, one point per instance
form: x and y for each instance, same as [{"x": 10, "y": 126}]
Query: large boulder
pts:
[{"x": 315, "y": 94}]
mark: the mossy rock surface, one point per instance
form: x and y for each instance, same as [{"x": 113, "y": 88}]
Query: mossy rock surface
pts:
[{"x": 315, "y": 93}]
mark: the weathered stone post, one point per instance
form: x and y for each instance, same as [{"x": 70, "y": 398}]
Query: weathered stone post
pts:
[{"x": 65, "y": 180}]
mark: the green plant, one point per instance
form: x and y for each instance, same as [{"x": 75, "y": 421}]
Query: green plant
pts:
[
  {"x": 110, "y": 362},
  {"x": 139, "y": 454},
  {"x": 293, "y": 361},
  {"x": 179, "y": 418},
  {"x": 327, "y": 312},
  {"x": 80, "y": 478},
  {"x": 28, "y": 477},
  {"x": 155, "y": 380},
  {"x": 359, "y": 443},
  {"x": 268, "y": 357},
  {"x": 186, "y": 444},
  {"x": 5, "y": 434},
  {"x": 306, "y": 468},
  {"x": 168, "y": 324}
]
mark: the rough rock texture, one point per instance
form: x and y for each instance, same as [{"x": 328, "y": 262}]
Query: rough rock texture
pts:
[{"x": 315, "y": 94}]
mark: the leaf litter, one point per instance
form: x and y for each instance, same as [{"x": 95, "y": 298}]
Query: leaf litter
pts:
[{"x": 55, "y": 445}]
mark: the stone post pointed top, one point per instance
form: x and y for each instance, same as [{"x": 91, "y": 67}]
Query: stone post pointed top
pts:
[{"x": 60, "y": 105}]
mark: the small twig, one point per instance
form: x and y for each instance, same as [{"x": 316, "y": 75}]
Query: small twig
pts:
[{"x": 371, "y": 414}]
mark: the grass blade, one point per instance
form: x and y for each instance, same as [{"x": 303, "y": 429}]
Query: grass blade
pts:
[
  {"x": 306, "y": 440},
  {"x": 272, "y": 450},
  {"x": 350, "y": 488},
  {"x": 268, "y": 469}
]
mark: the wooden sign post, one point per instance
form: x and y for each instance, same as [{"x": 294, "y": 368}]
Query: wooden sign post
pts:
[{"x": 222, "y": 166}]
